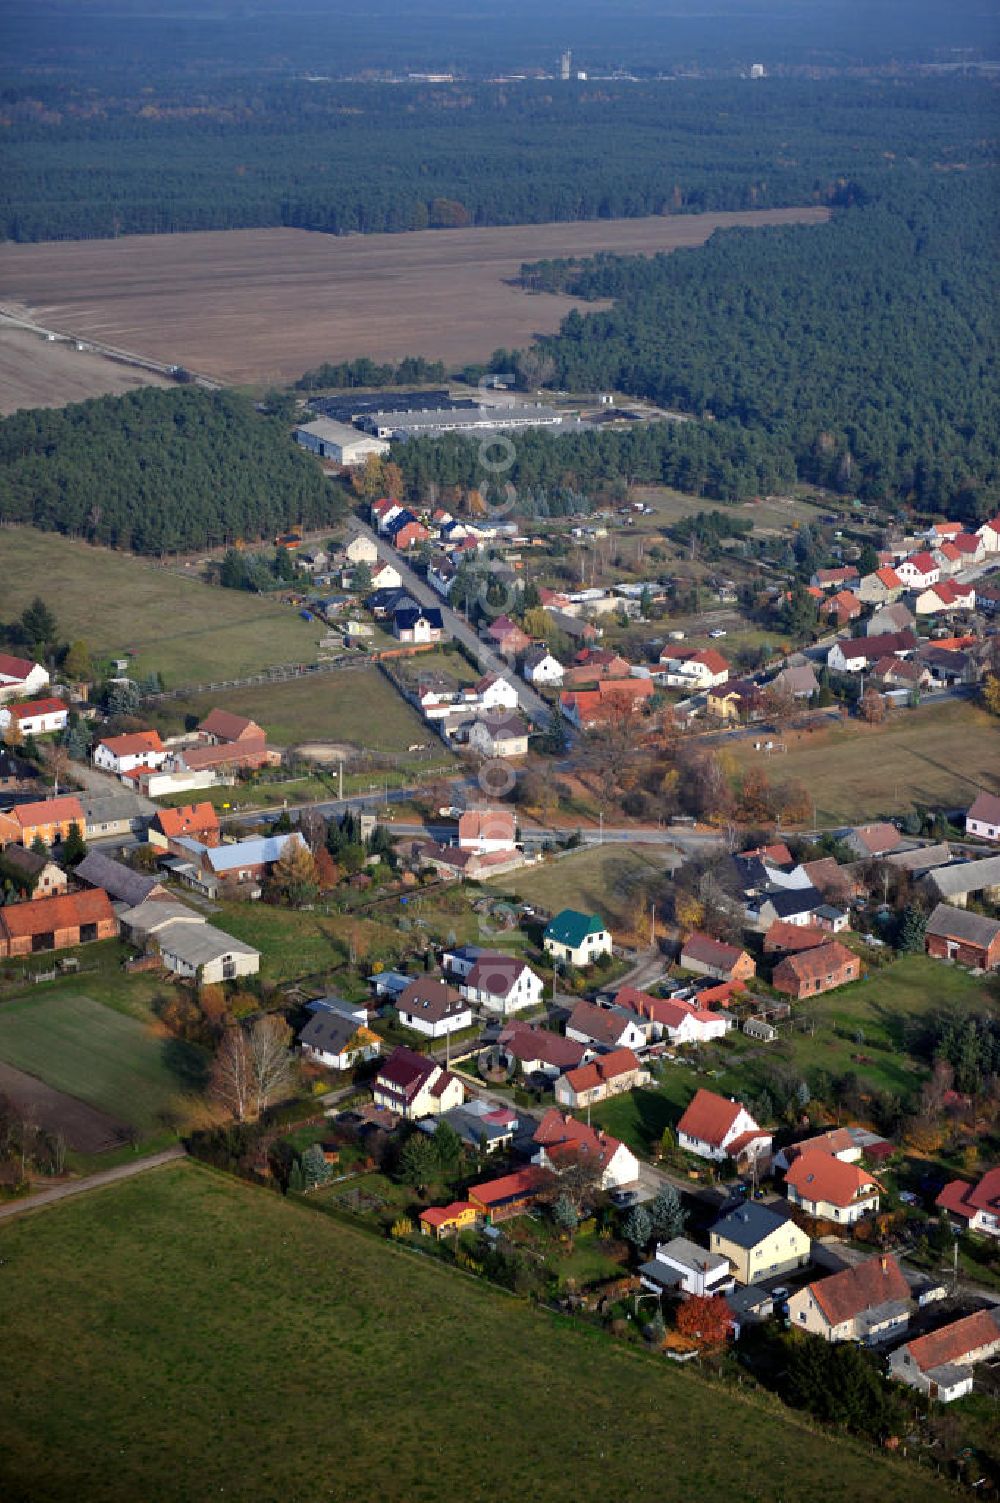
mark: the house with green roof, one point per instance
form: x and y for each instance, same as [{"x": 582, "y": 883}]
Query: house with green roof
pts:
[{"x": 577, "y": 938}]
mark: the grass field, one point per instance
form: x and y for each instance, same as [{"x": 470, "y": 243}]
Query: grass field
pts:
[
  {"x": 937, "y": 755},
  {"x": 599, "y": 879},
  {"x": 252, "y": 305},
  {"x": 358, "y": 706},
  {"x": 875, "y": 1010},
  {"x": 182, "y": 1336},
  {"x": 124, "y": 1067},
  {"x": 187, "y": 631}
]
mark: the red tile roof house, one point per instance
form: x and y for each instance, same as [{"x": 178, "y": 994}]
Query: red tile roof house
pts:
[
  {"x": 784, "y": 938},
  {"x": 710, "y": 957},
  {"x": 20, "y": 676},
  {"x": 197, "y": 821},
  {"x": 563, "y": 1141},
  {"x": 941, "y": 1363},
  {"x": 445, "y": 1221},
  {"x": 693, "y": 668},
  {"x": 843, "y": 607},
  {"x": 59, "y": 923},
  {"x": 868, "y": 1303},
  {"x": 983, "y": 817},
  {"x": 585, "y": 708},
  {"x": 539, "y": 1052},
  {"x": 854, "y": 654},
  {"x": 714, "y": 1127},
  {"x": 412, "y": 1086},
  {"x": 814, "y": 971},
  {"x": 867, "y": 841},
  {"x": 829, "y": 1190},
  {"x": 919, "y": 570},
  {"x": 487, "y": 830},
  {"x": 498, "y": 1200},
  {"x": 977, "y": 1205},
  {"x": 125, "y": 753},
  {"x": 222, "y": 726},
  {"x": 507, "y": 636},
  {"x": 829, "y": 579},
  {"x": 502, "y": 984},
  {"x": 681, "y": 1021},
  {"x": 49, "y": 819},
  {"x": 607, "y": 1075},
  {"x": 971, "y": 939},
  {"x": 605, "y": 1027},
  {"x": 36, "y": 717}
]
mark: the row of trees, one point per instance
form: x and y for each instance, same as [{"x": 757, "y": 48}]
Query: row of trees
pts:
[{"x": 348, "y": 159}]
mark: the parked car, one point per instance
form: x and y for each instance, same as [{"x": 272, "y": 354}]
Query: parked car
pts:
[{"x": 718, "y": 631}]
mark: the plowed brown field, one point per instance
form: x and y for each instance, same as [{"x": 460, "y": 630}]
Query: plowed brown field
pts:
[{"x": 256, "y": 305}]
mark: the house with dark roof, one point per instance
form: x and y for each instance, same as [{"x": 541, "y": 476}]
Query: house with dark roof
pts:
[
  {"x": 120, "y": 882},
  {"x": 501, "y": 984},
  {"x": 337, "y": 1042},
  {"x": 956, "y": 934},
  {"x": 605, "y": 1027},
  {"x": 829, "y": 1189},
  {"x": 869, "y": 1303},
  {"x": 941, "y": 1363},
  {"x": 759, "y": 1242},
  {"x": 682, "y": 1267},
  {"x": 418, "y": 623},
  {"x": 976, "y": 1206},
  {"x": 538, "y": 1051},
  {"x": 853, "y": 655},
  {"x": 706, "y": 956},
  {"x": 716, "y": 1127},
  {"x": 958, "y": 881},
  {"x": 412, "y": 1086},
  {"x": 793, "y": 905},
  {"x": 499, "y": 733},
  {"x": 577, "y": 938},
  {"x": 433, "y": 1008},
  {"x": 31, "y": 875}
]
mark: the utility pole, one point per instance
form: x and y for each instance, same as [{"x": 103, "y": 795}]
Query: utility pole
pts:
[
  {"x": 340, "y": 770},
  {"x": 600, "y": 816}
]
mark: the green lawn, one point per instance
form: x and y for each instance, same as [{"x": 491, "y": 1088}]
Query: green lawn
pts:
[
  {"x": 183, "y": 629},
  {"x": 877, "y": 1007},
  {"x": 117, "y": 1063},
  {"x": 857, "y": 772},
  {"x": 357, "y": 706},
  {"x": 182, "y": 1336},
  {"x": 599, "y": 879}
]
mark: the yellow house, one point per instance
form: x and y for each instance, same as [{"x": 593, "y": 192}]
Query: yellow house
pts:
[
  {"x": 759, "y": 1242},
  {"x": 447, "y": 1221}
]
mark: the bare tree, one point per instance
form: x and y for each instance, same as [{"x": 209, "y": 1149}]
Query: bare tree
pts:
[
  {"x": 232, "y": 1080},
  {"x": 271, "y": 1064}
]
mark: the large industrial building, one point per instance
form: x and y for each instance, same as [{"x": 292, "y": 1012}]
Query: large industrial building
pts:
[{"x": 339, "y": 442}]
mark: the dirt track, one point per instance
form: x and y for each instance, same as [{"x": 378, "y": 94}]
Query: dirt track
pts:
[
  {"x": 35, "y": 373},
  {"x": 85, "y": 1129},
  {"x": 253, "y": 305}
]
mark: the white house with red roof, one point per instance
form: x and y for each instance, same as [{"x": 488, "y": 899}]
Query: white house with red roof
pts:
[
  {"x": 562, "y": 1141},
  {"x": 716, "y": 1127},
  {"x": 978, "y": 1205},
  {"x": 36, "y": 717},
  {"x": 487, "y": 830},
  {"x": 944, "y": 597},
  {"x": 495, "y": 693},
  {"x": 20, "y": 677},
  {"x": 919, "y": 571},
  {"x": 693, "y": 668},
  {"x": 830, "y": 1189},
  {"x": 941, "y": 1363},
  {"x": 413, "y": 1086},
  {"x": 123, "y": 754},
  {"x": 678, "y": 1019}
]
